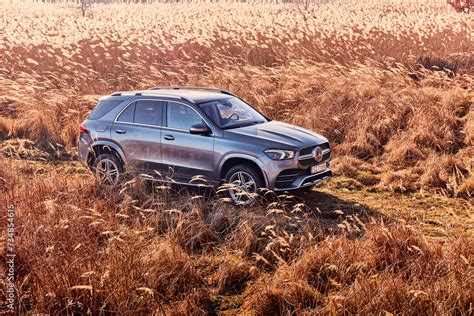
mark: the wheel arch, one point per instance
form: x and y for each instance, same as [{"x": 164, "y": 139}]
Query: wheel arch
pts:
[
  {"x": 101, "y": 147},
  {"x": 234, "y": 160}
]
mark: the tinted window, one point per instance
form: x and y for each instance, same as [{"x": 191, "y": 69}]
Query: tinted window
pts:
[
  {"x": 128, "y": 114},
  {"x": 103, "y": 107},
  {"x": 149, "y": 112},
  {"x": 181, "y": 116}
]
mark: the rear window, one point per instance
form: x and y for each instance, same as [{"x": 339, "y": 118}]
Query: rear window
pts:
[{"x": 102, "y": 108}]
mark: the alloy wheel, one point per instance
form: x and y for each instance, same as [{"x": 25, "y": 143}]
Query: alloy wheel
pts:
[
  {"x": 107, "y": 172},
  {"x": 243, "y": 188}
]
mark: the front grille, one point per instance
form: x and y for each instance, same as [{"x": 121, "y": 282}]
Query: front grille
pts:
[
  {"x": 287, "y": 177},
  {"x": 309, "y": 159},
  {"x": 309, "y": 150},
  {"x": 311, "y": 162}
]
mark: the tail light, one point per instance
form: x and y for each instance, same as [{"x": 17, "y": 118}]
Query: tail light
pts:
[{"x": 83, "y": 128}]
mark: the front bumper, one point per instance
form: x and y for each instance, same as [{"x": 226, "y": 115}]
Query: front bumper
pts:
[
  {"x": 304, "y": 178},
  {"x": 296, "y": 173}
]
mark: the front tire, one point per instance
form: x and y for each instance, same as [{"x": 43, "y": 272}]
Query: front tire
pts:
[
  {"x": 244, "y": 182},
  {"x": 107, "y": 169}
]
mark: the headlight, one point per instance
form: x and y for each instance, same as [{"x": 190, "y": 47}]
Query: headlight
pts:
[{"x": 279, "y": 154}]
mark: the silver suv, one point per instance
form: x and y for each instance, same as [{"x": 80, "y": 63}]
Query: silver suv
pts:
[{"x": 203, "y": 137}]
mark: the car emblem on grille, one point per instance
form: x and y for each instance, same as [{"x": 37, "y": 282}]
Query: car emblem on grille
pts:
[{"x": 318, "y": 154}]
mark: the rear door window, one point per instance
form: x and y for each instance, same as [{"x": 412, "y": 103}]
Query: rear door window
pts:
[
  {"x": 149, "y": 112},
  {"x": 103, "y": 107}
]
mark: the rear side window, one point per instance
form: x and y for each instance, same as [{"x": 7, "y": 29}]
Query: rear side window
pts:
[
  {"x": 103, "y": 107},
  {"x": 149, "y": 113},
  {"x": 128, "y": 114}
]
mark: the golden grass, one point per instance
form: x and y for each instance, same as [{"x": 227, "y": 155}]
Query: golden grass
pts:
[
  {"x": 388, "y": 82},
  {"x": 82, "y": 249}
]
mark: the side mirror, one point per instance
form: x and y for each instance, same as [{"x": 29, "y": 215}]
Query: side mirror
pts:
[{"x": 200, "y": 129}]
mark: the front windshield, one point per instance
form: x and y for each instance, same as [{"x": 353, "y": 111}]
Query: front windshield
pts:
[{"x": 232, "y": 113}]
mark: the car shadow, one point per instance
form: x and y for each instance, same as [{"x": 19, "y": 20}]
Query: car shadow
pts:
[
  {"x": 332, "y": 212},
  {"x": 329, "y": 209},
  {"x": 331, "y": 206}
]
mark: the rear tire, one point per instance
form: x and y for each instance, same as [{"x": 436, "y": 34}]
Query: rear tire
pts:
[
  {"x": 107, "y": 169},
  {"x": 244, "y": 182}
]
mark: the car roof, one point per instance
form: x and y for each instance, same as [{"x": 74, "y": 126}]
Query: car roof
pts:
[{"x": 194, "y": 95}]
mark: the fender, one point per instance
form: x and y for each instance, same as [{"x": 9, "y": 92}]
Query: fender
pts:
[
  {"x": 112, "y": 145},
  {"x": 247, "y": 157}
]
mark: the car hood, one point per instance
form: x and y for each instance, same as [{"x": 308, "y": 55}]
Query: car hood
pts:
[{"x": 275, "y": 132}]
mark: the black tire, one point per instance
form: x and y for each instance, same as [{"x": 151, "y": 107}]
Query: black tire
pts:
[
  {"x": 97, "y": 165},
  {"x": 255, "y": 174}
]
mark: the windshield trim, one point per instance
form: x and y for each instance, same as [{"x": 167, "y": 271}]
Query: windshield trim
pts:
[{"x": 243, "y": 124}]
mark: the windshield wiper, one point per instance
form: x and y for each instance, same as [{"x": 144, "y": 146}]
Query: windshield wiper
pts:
[{"x": 243, "y": 124}]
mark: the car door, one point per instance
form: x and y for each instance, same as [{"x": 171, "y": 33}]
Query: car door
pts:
[
  {"x": 186, "y": 155},
  {"x": 137, "y": 129}
]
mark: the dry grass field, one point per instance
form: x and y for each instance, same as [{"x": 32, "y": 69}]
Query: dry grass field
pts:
[{"x": 389, "y": 83}]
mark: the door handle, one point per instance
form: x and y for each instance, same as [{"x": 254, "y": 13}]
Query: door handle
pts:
[
  {"x": 169, "y": 137},
  {"x": 120, "y": 131}
]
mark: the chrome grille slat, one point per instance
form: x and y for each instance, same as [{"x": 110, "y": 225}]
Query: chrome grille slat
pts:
[
  {"x": 308, "y": 150},
  {"x": 310, "y": 156}
]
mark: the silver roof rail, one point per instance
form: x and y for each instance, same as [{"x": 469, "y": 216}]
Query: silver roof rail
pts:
[
  {"x": 117, "y": 94},
  {"x": 192, "y": 88}
]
